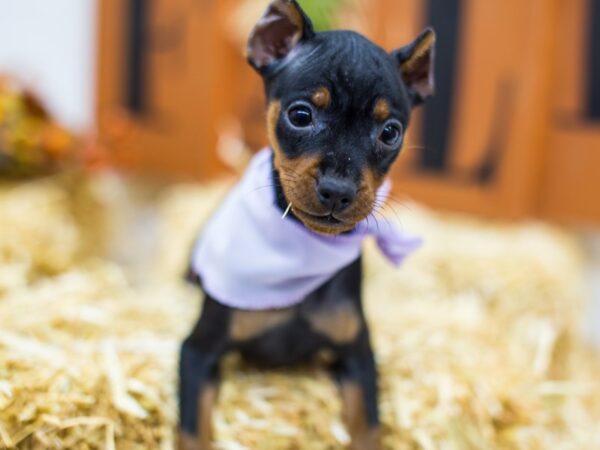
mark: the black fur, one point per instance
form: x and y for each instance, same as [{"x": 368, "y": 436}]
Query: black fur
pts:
[{"x": 357, "y": 73}]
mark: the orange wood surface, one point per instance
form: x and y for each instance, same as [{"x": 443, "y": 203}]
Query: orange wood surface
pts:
[
  {"x": 521, "y": 58},
  {"x": 572, "y": 185},
  {"x": 570, "y": 190},
  {"x": 186, "y": 89}
]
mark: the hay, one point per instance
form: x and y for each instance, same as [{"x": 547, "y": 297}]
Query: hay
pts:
[
  {"x": 38, "y": 234},
  {"x": 476, "y": 337}
]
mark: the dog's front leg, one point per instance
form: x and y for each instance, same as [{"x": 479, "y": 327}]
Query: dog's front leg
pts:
[
  {"x": 357, "y": 378},
  {"x": 198, "y": 379},
  {"x": 199, "y": 376}
]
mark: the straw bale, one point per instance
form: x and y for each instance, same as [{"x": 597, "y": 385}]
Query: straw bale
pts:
[
  {"x": 477, "y": 340},
  {"x": 38, "y": 235}
]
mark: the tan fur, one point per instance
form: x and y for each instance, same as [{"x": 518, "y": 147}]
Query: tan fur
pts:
[
  {"x": 249, "y": 324},
  {"x": 206, "y": 405},
  {"x": 321, "y": 97},
  {"x": 354, "y": 415},
  {"x": 287, "y": 168},
  {"x": 272, "y": 117},
  {"x": 187, "y": 442},
  {"x": 371, "y": 181},
  {"x": 381, "y": 110},
  {"x": 422, "y": 47},
  {"x": 341, "y": 324}
]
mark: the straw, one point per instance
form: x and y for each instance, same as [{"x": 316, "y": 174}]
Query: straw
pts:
[{"x": 476, "y": 338}]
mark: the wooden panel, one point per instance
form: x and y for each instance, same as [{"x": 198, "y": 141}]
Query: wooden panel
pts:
[
  {"x": 500, "y": 107},
  {"x": 570, "y": 68},
  {"x": 185, "y": 65},
  {"x": 572, "y": 187},
  {"x": 571, "y": 184}
]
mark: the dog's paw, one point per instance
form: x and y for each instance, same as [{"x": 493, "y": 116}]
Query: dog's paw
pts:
[
  {"x": 189, "y": 442},
  {"x": 367, "y": 440}
]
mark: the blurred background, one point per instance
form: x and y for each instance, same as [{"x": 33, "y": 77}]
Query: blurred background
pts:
[
  {"x": 124, "y": 112},
  {"x": 163, "y": 89}
]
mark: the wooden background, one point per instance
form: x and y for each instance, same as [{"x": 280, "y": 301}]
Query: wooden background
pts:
[{"x": 514, "y": 129}]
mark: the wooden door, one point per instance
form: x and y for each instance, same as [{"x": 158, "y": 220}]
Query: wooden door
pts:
[
  {"x": 163, "y": 72},
  {"x": 570, "y": 189},
  {"x": 477, "y": 146}
]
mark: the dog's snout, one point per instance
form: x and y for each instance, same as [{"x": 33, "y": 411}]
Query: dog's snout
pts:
[{"x": 336, "y": 194}]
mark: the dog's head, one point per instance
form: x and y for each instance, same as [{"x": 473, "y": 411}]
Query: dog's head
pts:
[{"x": 339, "y": 106}]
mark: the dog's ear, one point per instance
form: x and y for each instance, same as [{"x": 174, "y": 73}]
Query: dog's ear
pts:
[
  {"x": 279, "y": 30},
  {"x": 416, "y": 65}
]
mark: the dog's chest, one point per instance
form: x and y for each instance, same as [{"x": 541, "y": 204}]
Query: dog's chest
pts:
[
  {"x": 337, "y": 321},
  {"x": 330, "y": 316}
]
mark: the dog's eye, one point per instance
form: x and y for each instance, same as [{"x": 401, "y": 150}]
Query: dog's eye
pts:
[
  {"x": 391, "y": 134},
  {"x": 300, "y": 116}
]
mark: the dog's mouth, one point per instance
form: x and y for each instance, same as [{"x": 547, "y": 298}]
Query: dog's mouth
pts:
[
  {"x": 323, "y": 223},
  {"x": 328, "y": 219}
]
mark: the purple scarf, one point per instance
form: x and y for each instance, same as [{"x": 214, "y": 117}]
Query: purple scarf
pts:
[{"x": 248, "y": 257}]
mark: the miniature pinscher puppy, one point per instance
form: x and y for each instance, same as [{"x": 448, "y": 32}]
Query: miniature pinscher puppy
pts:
[{"x": 280, "y": 261}]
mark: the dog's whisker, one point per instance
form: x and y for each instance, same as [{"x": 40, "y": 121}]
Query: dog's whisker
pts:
[
  {"x": 383, "y": 216},
  {"x": 389, "y": 196},
  {"x": 262, "y": 187},
  {"x": 375, "y": 219},
  {"x": 389, "y": 207},
  {"x": 415, "y": 147},
  {"x": 287, "y": 211}
]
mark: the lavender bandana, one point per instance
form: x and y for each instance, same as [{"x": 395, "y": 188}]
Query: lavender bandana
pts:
[{"x": 248, "y": 257}]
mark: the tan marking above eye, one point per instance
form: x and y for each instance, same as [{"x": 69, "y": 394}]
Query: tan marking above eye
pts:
[
  {"x": 321, "y": 97},
  {"x": 381, "y": 110}
]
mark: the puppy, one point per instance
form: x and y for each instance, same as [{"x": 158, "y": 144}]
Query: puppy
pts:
[{"x": 280, "y": 260}]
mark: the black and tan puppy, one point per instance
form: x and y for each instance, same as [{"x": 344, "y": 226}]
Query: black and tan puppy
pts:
[{"x": 338, "y": 109}]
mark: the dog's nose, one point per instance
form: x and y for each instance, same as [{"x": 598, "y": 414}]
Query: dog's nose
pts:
[{"x": 336, "y": 194}]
